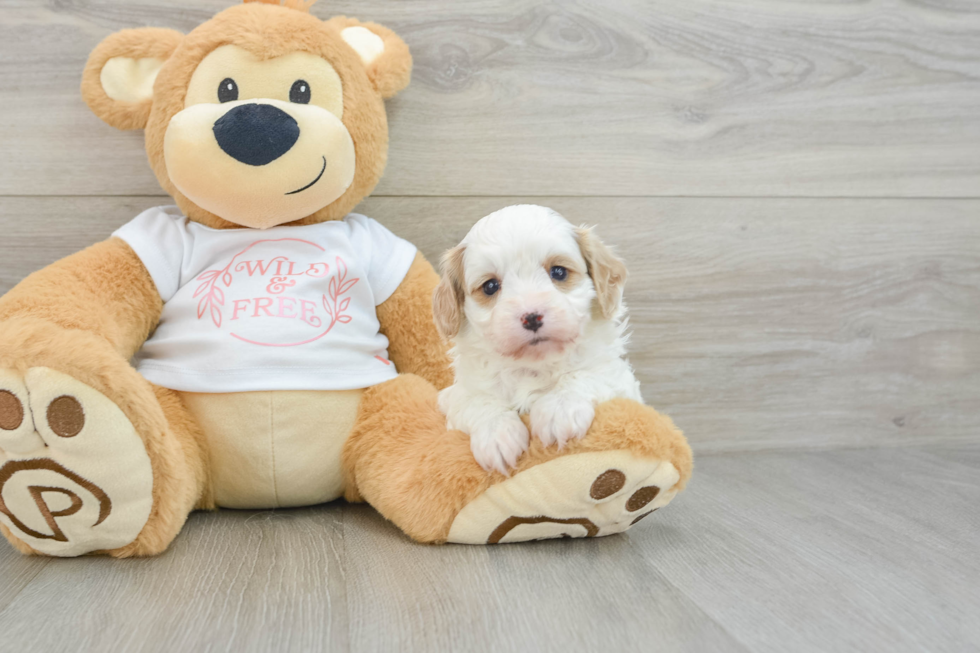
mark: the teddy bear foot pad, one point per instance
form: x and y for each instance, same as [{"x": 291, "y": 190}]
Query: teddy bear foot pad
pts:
[
  {"x": 578, "y": 495},
  {"x": 74, "y": 475}
]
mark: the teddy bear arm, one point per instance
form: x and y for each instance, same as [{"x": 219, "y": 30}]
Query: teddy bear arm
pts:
[
  {"x": 105, "y": 290},
  {"x": 415, "y": 346}
]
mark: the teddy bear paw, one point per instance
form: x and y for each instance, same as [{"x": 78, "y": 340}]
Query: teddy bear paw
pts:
[
  {"x": 579, "y": 495},
  {"x": 74, "y": 474}
]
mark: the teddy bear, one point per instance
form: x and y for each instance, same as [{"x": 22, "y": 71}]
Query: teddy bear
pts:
[{"x": 259, "y": 345}]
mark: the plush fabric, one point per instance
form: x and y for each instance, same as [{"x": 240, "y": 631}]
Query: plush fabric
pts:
[
  {"x": 402, "y": 460},
  {"x": 146, "y": 43},
  {"x": 275, "y": 449},
  {"x": 267, "y": 32},
  {"x": 406, "y": 318},
  {"x": 54, "y": 500},
  {"x": 172, "y": 439},
  {"x": 103, "y": 290},
  {"x": 578, "y": 495},
  {"x": 127, "y": 79},
  {"x": 68, "y": 332},
  {"x": 391, "y": 71}
]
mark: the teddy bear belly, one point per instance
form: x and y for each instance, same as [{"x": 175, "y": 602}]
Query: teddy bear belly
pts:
[{"x": 275, "y": 449}]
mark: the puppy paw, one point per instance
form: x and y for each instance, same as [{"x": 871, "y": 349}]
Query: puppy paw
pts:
[
  {"x": 498, "y": 444},
  {"x": 557, "y": 418}
]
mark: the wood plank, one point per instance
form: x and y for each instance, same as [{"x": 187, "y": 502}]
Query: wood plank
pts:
[
  {"x": 232, "y": 581},
  {"x": 551, "y": 596},
  {"x": 678, "y": 98},
  {"x": 869, "y": 550},
  {"x": 757, "y": 323},
  {"x": 866, "y": 551},
  {"x": 16, "y": 572}
]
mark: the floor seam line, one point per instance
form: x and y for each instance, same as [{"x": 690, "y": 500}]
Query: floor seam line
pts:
[
  {"x": 867, "y": 447},
  {"x": 931, "y": 198},
  {"x": 26, "y": 585},
  {"x": 701, "y": 610}
]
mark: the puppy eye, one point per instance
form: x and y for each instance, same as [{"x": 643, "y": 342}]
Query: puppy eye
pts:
[
  {"x": 227, "y": 90},
  {"x": 491, "y": 287},
  {"x": 558, "y": 273},
  {"x": 300, "y": 92}
]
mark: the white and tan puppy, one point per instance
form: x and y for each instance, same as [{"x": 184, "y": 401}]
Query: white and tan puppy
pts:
[{"x": 534, "y": 308}]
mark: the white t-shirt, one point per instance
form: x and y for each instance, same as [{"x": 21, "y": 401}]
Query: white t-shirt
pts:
[{"x": 287, "y": 308}]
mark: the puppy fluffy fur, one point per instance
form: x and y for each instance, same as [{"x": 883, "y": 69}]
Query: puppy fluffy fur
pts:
[{"x": 534, "y": 308}]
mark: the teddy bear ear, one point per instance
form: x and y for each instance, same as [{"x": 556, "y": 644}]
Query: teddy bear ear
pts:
[
  {"x": 117, "y": 84},
  {"x": 384, "y": 54}
]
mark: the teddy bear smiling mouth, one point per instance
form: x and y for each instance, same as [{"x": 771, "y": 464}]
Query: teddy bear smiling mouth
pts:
[
  {"x": 312, "y": 183},
  {"x": 115, "y": 468}
]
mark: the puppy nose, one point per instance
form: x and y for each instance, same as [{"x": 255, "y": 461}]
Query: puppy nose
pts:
[
  {"x": 532, "y": 321},
  {"x": 256, "y": 134}
]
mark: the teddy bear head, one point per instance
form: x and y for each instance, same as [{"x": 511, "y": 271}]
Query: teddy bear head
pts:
[{"x": 264, "y": 115}]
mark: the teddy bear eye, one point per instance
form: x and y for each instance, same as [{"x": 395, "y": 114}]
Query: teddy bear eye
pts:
[
  {"x": 300, "y": 92},
  {"x": 227, "y": 90},
  {"x": 491, "y": 287},
  {"x": 559, "y": 273}
]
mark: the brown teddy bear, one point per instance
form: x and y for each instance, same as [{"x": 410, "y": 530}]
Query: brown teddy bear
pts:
[{"x": 267, "y": 322}]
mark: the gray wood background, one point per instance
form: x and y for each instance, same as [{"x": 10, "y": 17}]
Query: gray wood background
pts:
[{"x": 796, "y": 189}]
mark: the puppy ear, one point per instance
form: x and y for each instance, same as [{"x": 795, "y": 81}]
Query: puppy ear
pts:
[
  {"x": 385, "y": 56},
  {"x": 117, "y": 84},
  {"x": 608, "y": 272},
  {"x": 447, "y": 301}
]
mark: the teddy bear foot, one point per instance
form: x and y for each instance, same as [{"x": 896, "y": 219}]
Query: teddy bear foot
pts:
[
  {"x": 579, "y": 495},
  {"x": 74, "y": 474}
]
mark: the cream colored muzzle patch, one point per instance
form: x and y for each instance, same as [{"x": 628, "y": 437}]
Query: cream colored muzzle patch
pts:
[{"x": 313, "y": 173}]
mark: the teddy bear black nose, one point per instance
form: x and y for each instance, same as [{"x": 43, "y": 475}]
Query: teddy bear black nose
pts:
[{"x": 256, "y": 134}]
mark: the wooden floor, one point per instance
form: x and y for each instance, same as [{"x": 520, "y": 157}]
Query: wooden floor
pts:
[
  {"x": 849, "y": 550},
  {"x": 796, "y": 189}
]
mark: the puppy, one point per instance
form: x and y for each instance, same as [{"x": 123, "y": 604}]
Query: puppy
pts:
[{"x": 534, "y": 309}]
